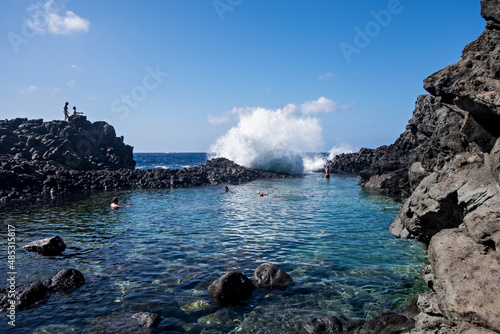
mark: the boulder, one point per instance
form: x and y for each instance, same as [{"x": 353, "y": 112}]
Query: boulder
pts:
[
  {"x": 65, "y": 280},
  {"x": 140, "y": 323},
  {"x": 25, "y": 295},
  {"x": 331, "y": 325},
  {"x": 387, "y": 323},
  {"x": 231, "y": 288},
  {"x": 269, "y": 276},
  {"x": 466, "y": 279},
  {"x": 49, "y": 246}
]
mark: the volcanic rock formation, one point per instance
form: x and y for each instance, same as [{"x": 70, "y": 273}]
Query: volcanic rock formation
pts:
[{"x": 447, "y": 166}]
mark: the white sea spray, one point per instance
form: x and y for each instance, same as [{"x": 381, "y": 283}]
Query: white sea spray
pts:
[{"x": 272, "y": 140}]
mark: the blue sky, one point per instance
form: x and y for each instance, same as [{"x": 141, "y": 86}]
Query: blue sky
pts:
[{"x": 173, "y": 75}]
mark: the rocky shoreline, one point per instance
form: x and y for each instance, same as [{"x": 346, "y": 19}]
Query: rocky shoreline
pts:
[
  {"x": 42, "y": 159},
  {"x": 446, "y": 165}
]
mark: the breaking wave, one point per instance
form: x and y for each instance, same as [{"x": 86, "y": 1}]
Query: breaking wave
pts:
[{"x": 271, "y": 140}]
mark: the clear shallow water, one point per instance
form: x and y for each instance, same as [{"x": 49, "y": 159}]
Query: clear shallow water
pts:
[{"x": 161, "y": 254}]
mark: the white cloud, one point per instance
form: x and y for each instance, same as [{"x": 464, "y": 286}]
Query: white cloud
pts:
[
  {"x": 71, "y": 83},
  {"x": 27, "y": 91},
  {"x": 217, "y": 119},
  {"x": 76, "y": 67},
  {"x": 313, "y": 107},
  {"x": 46, "y": 18},
  {"x": 320, "y": 106},
  {"x": 326, "y": 76},
  {"x": 55, "y": 91}
]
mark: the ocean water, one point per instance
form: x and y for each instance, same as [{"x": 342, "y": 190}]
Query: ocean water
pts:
[{"x": 160, "y": 254}]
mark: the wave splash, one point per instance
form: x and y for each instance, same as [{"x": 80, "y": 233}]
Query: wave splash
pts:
[
  {"x": 317, "y": 162},
  {"x": 270, "y": 140}
]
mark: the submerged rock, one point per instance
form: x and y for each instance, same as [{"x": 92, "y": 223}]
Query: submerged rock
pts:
[
  {"x": 49, "y": 246},
  {"x": 331, "y": 325},
  {"x": 25, "y": 295},
  {"x": 269, "y": 276},
  {"x": 231, "y": 288},
  {"x": 141, "y": 322},
  {"x": 30, "y": 294}
]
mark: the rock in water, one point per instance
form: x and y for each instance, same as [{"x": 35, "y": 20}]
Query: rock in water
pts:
[
  {"x": 269, "y": 276},
  {"x": 140, "y": 323},
  {"x": 48, "y": 246},
  {"x": 66, "y": 280},
  {"x": 230, "y": 288}
]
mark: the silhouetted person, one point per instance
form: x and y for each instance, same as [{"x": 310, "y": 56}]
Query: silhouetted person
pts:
[
  {"x": 75, "y": 112},
  {"x": 327, "y": 173},
  {"x": 66, "y": 113}
]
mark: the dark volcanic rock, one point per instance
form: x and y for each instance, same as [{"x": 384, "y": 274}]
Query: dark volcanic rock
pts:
[
  {"x": 23, "y": 296},
  {"x": 269, "y": 276},
  {"x": 48, "y": 246},
  {"x": 49, "y": 158},
  {"x": 447, "y": 165},
  {"x": 141, "y": 322},
  {"x": 65, "y": 280},
  {"x": 332, "y": 325},
  {"x": 230, "y": 288},
  {"x": 31, "y": 294},
  {"x": 433, "y": 133}
]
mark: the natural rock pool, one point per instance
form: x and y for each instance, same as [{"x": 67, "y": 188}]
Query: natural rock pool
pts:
[{"x": 160, "y": 255}]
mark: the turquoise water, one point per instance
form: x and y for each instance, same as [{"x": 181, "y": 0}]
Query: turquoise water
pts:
[{"x": 160, "y": 255}]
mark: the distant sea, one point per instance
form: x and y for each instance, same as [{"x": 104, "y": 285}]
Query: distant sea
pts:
[{"x": 160, "y": 254}]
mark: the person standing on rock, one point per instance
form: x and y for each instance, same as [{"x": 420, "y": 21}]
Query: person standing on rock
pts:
[{"x": 66, "y": 113}]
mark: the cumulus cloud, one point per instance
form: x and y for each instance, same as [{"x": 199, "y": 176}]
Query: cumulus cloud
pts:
[
  {"x": 31, "y": 89},
  {"x": 320, "y": 106},
  {"x": 313, "y": 107},
  {"x": 46, "y": 18},
  {"x": 71, "y": 83}
]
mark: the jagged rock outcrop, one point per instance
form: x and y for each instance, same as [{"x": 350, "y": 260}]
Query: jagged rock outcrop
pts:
[
  {"x": 432, "y": 136},
  {"x": 49, "y": 158},
  {"x": 76, "y": 144},
  {"x": 447, "y": 166}
]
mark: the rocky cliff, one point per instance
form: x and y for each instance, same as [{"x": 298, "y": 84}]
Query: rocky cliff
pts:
[
  {"x": 447, "y": 166},
  {"x": 40, "y": 158}
]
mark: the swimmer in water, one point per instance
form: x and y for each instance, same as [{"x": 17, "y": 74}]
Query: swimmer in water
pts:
[
  {"x": 327, "y": 173},
  {"x": 226, "y": 189},
  {"x": 114, "y": 204},
  {"x": 261, "y": 194}
]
